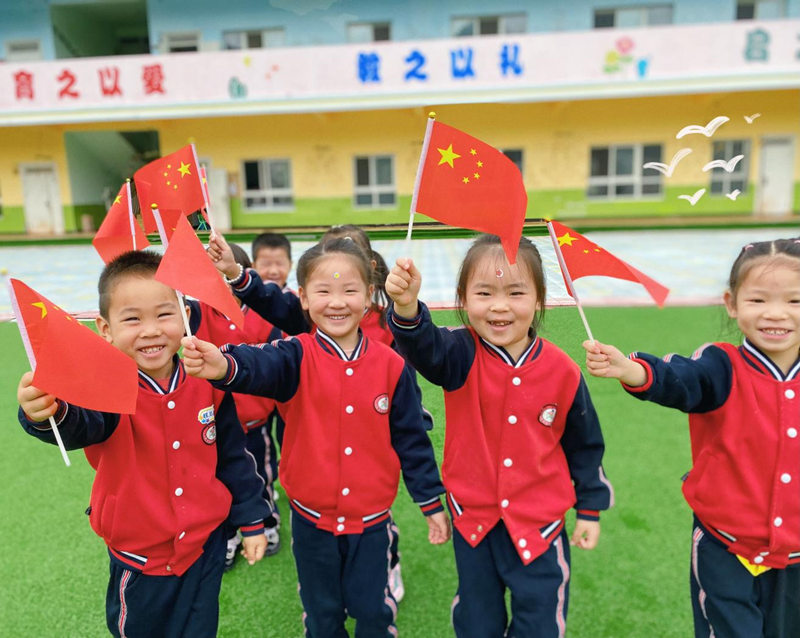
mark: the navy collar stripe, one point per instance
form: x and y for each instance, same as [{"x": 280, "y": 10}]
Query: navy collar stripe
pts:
[
  {"x": 329, "y": 345},
  {"x": 757, "y": 359},
  {"x": 530, "y": 353}
]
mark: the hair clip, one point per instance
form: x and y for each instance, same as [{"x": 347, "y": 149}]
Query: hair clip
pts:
[{"x": 748, "y": 247}]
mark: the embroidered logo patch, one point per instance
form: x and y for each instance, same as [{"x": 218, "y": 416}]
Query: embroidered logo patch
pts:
[
  {"x": 206, "y": 415},
  {"x": 381, "y": 404},
  {"x": 210, "y": 434},
  {"x": 548, "y": 414}
]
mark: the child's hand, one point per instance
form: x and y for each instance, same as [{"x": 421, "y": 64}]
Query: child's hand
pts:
[
  {"x": 402, "y": 285},
  {"x": 586, "y": 534},
  {"x": 606, "y": 361},
  {"x": 253, "y": 548},
  {"x": 37, "y": 405},
  {"x": 222, "y": 256},
  {"x": 438, "y": 528},
  {"x": 203, "y": 359}
]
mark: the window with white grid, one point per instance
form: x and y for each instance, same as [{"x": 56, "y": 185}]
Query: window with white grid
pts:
[
  {"x": 463, "y": 26},
  {"x": 267, "y": 185},
  {"x": 616, "y": 172},
  {"x": 374, "y": 182}
]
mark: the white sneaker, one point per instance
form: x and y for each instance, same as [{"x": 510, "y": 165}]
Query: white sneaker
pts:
[
  {"x": 273, "y": 541},
  {"x": 232, "y": 551},
  {"x": 396, "y": 583}
]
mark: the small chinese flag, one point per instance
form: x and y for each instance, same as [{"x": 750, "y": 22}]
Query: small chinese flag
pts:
[
  {"x": 119, "y": 232},
  {"x": 464, "y": 182},
  {"x": 185, "y": 266},
  {"x": 70, "y": 360},
  {"x": 171, "y": 182},
  {"x": 584, "y": 258}
]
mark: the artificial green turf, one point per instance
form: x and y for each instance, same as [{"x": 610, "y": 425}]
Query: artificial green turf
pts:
[{"x": 54, "y": 570}]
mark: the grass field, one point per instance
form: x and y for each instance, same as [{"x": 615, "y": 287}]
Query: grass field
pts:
[{"x": 54, "y": 570}]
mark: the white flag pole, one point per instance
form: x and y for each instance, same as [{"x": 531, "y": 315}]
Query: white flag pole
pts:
[
  {"x": 567, "y": 278},
  {"x": 204, "y": 190},
  {"x": 165, "y": 242},
  {"x": 418, "y": 179},
  {"x": 130, "y": 211},
  {"x": 23, "y": 332}
]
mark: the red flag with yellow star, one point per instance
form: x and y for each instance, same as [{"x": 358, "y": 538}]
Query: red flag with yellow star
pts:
[
  {"x": 583, "y": 258},
  {"x": 169, "y": 221},
  {"x": 70, "y": 360},
  {"x": 185, "y": 266},
  {"x": 464, "y": 182},
  {"x": 119, "y": 232},
  {"x": 171, "y": 182}
]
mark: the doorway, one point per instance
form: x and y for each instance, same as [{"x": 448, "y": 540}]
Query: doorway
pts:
[
  {"x": 774, "y": 194},
  {"x": 42, "y": 199}
]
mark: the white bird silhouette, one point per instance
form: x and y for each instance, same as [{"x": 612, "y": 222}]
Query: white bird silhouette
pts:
[
  {"x": 692, "y": 199},
  {"x": 749, "y": 118},
  {"x": 707, "y": 130},
  {"x": 733, "y": 194},
  {"x": 666, "y": 169},
  {"x": 726, "y": 166}
]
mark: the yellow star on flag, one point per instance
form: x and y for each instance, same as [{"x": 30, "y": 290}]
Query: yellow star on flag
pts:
[
  {"x": 465, "y": 180},
  {"x": 117, "y": 200},
  {"x": 472, "y": 151},
  {"x": 448, "y": 155},
  {"x": 567, "y": 239},
  {"x": 40, "y": 305},
  {"x": 479, "y": 163},
  {"x": 184, "y": 170},
  {"x": 476, "y": 175}
]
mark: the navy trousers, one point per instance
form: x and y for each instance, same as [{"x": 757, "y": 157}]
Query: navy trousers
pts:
[
  {"x": 344, "y": 575},
  {"x": 142, "y": 606},
  {"x": 729, "y": 602},
  {"x": 539, "y": 590}
]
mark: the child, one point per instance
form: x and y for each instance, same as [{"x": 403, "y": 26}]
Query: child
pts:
[
  {"x": 520, "y": 431},
  {"x": 254, "y": 413},
  {"x": 272, "y": 258},
  {"x": 745, "y": 562},
  {"x": 168, "y": 476},
  {"x": 352, "y": 422}
]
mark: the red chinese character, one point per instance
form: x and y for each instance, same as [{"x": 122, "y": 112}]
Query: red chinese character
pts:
[
  {"x": 23, "y": 85},
  {"x": 68, "y": 79},
  {"x": 109, "y": 81},
  {"x": 153, "y": 79}
]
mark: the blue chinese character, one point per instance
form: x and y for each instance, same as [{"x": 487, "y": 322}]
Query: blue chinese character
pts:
[
  {"x": 369, "y": 65},
  {"x": 509, "y": 59},
  {"x": 461, "y": 63},
  {"x": 757, "y": 45},
  {"x": 417, "y": 60}
]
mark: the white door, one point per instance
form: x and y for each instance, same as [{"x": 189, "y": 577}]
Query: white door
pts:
[
  {"x": 218, "y": 194},
  {"x": 774, "y": 195},
  {"x": 42, "y": 199}
]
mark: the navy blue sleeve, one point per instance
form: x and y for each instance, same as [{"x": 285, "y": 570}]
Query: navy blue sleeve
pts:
[
  {"x": 413, "y": 447},
  {"x": 267, "y": 370},
  {"x": 583, "y": 447},
  {"x": 442, "y": 356},
  {"x": 78, "y": 427},
  {"x": 281, "y": 309},
  {"x": 236, "y": 468},
  {"x": 195, "y": 315},
  {"x": 700, "y": 383}
]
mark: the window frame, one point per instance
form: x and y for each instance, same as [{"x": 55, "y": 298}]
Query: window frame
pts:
[
  {"x": 739, "y": 174},
  {"x": 267, "y": 191},
  {"x": 173, "y": 36},
  {"x": 740, "y": 4},
  {"x": 372, "y": 25},
  {"x": 644, "y": 11},
  {"x": 27, "y": 53},
  {"x": 244, "y": 34},
  {"x": 637, "y": 179},
  {"x": 373, "y": 189},
  {"x": 521, "y": 151},
  {"x": 501, "y": 18}
]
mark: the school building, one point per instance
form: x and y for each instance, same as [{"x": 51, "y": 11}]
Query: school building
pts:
[{"x": 316, "y": 109}]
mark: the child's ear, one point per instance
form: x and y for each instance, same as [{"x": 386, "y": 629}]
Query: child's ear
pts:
[
  {"x": 730, "y": 304},
  {"x": 371, "y": 295},
  {"x": 103, "y": 328},
  {"x": 303, "y": 297}
]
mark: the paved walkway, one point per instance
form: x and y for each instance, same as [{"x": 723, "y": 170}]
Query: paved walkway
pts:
[{"x": 694, "y": 264}]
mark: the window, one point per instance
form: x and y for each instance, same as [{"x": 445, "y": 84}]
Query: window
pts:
[
  {"x": 489, "y": 25},
  {"x": 369, "y": 32},
  {"x": 23, "y": 50},
  {"x": 615, "y": 172},
  {"x": 255, "y": 39},
  {"x": 633, "y": 16},
  {"x": 515, "y": 155},
  {"x": 723, "y": 182},
  {"x": 268, "y": 185},
  {"x": 182, "y": 42},
  {"x": 375, "y": 181},
  {"x": 759, "y": 9}
]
